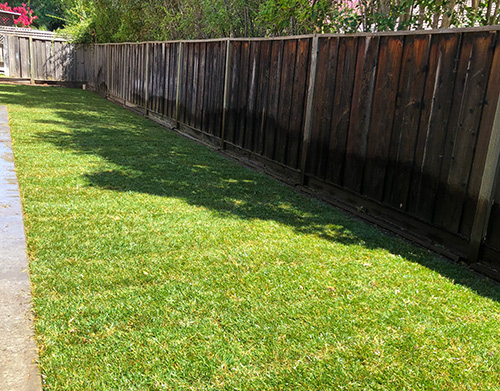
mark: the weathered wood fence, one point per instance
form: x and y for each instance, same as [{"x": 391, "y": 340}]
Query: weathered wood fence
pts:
[
  {"x": 403, "y": 128},
  {"x": 39, "y": 58}
]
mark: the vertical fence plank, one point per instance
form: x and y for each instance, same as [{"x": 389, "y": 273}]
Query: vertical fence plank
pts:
[
  {"x": 274, "y": 98},
  {"x": 172, "y": 79},
  {"x": 234, "y": 92},
  {"x": 24, "y": 53},
  {"x": 326, "y": 81},
  {"x": 162, "y": 86},
  {"x": 241, "y": 102},
  {"x": 382, "y": 116},
  {"x": 180, "y": 76},
  {"x": 434, "y": 120},
  {"x": 285, "y": 102},
  {"x": 339, "y": 127},
  {"x": 298, "y": 105},
  {"x": 14, "y": 60},
  {"x": 406, "y": 121},
  {"x": 200, "y": 102},
  {"x": 219, "y": 85},
  {"x": 227, "y": 79},
  {"x": 208, "y": 75},
  {"x": 462, "y": 132},
  {"x": 264, "y": 47},
  {"x": 313, "y": 71},
  {"x": 108, "y": 68},
  {"x": 50, "y": 62},
  {"x": 362, "y": 100},
  {"x": 6, "y": 56},
  {"x": 32, "y": 61},
  {"x": 146, "y": 79},
  {"x": 253, "y": 70},
  {"x": 489, "y": 178},
  {"x": 484, "y": 136}
]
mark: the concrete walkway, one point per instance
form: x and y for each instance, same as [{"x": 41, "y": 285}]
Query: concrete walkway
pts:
[{"x": 18, "y": 355}]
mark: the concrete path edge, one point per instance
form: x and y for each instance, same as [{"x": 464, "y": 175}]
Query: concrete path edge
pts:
[{"x": 18, "y": 353}]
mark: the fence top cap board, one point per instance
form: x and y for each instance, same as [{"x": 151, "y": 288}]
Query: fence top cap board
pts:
[
  {"x": 26, "y": 33},
  {"x": 494, "y": 28},
  {"x": 3, "y": 12}
]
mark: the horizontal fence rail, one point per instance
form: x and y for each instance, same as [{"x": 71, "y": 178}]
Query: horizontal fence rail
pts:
[{"x": 401, "y": 127}]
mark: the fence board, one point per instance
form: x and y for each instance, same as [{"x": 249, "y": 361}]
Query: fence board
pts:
[
  {"x": 242, "y": 98},
  {"x": 14, "y": 58},
  {"x": 471, "y": 131},
  {"x": 406, "y": 121},
  {"x": 274, "y": 97},
  {"x": 264, "y": 51},
  {"x": 462, "y": 130},
  {"x": 162, "y": 83},
  {"x": 253, "y": 70},
  {"x": 362, "y": 100},
  {"x": 24, "y": 52},
  {"x": 285, "y": 101},
  {"x": 323, "y": 104},
  {"x": 159, "y": 92},
  {"x": 298, "y": 106},
  {"x": 234, "y": 88},
  {"x": 172, "y": 87},
  {"x": 219, "y": 86},
  {"x": 382, "y": 116},
  {"x": 439, "y": 92},
  {"x": 339, "y": 127}
]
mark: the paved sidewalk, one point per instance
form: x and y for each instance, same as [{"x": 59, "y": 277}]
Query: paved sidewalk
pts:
[{"x": 18, "y": 369}]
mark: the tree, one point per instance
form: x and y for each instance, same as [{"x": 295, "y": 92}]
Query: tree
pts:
[
  {"x": 139, "y": 20},
  {"x": 50, "y": 13}
]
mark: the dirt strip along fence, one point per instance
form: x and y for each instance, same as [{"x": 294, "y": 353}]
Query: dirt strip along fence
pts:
[
  {"x": 41, "y": 59},
  {"x": 403, "y": 129}
]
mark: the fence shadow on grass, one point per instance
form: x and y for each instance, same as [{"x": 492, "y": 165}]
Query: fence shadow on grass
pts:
[{"x": 149, "y": 159}]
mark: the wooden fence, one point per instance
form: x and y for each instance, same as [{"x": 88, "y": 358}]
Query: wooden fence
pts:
[
  {"x": 403, "y": 128},
  {"x": 39, "y": 58}
]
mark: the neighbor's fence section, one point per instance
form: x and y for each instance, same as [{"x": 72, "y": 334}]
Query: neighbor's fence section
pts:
[
  {"x": 403, "y": 127},
  {"x": 40, "y": 58}
]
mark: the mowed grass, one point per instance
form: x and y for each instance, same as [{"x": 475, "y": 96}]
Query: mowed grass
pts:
[{"x": 158, "y": 264}]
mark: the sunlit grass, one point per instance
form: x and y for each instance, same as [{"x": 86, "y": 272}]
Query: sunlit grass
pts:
[{"x": 158, "y": 264}]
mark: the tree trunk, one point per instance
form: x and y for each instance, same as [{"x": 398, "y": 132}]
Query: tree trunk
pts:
[
  {"x": 437, "y": 15},
  {"x": 421, "y": 16},
  {"x": 447, "y": 17}
]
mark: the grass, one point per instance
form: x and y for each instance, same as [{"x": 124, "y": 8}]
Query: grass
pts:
[{"x": 157, "y": 264}]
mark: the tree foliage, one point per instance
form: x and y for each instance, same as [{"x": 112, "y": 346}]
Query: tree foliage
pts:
[
  {"x": 50, "y": 13},
  {"x": 139, "y": 20}
]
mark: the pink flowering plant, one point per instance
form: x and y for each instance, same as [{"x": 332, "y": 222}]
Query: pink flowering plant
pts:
[{"x": 25, "y": 19}]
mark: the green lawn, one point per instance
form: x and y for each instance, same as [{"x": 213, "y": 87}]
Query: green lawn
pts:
[{"x": 157, "y": 264}]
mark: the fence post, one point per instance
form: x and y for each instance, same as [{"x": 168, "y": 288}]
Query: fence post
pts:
[
  {"x": 179, "y": 83},
  {"x": 6, "y": 60},
  {"x": 227, "y": 79},
  {"x": 486, "y": 191},
  {"x": 309, "y": 108},
  {"x": 146, "y": 82},
  {"x": 125, "y": 78},
  {"x": 32, "y": 64}
]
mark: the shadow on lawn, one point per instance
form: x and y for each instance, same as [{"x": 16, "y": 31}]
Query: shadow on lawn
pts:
[{"x": 152, "y": 160}]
